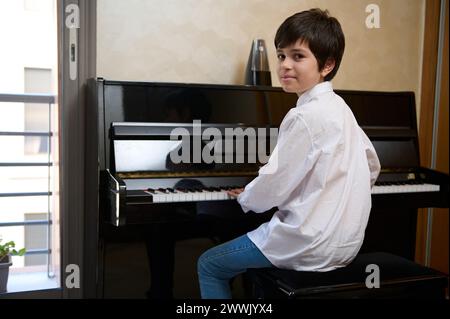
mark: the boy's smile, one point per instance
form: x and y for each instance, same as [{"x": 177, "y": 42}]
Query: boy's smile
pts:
[{"x": 298, "y": 69}]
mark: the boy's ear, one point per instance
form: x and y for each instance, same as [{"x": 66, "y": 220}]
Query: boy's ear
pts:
[{"x": 328, "y": 67}]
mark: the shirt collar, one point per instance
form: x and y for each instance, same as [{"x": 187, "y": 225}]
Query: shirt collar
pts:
[{"x": 317, "y": 90}]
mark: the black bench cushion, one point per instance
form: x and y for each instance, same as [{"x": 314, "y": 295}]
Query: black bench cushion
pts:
[{"x": 392, "y": 269}]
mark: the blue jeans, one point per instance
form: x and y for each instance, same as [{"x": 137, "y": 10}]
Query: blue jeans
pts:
[{"x": 219, "y": 264}]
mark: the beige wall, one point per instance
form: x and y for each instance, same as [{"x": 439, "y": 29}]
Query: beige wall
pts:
[{"x": 208, "y": 41}]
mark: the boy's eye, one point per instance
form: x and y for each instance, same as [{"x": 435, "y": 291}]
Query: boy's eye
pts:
[
  {"x": 281, "y": 57},
  {"x": 298, "y": 56}
]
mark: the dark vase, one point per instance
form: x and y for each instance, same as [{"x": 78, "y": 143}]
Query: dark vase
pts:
[{"x": 258, "y": 71}]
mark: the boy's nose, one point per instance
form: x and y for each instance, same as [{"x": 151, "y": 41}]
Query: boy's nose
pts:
[{"x": 286, "y": 64}]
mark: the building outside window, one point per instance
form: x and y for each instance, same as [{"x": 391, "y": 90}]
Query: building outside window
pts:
[{"x": 29, "y": 207}]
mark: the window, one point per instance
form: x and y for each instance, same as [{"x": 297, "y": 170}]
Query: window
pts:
[{"x": 29, "y": 203}]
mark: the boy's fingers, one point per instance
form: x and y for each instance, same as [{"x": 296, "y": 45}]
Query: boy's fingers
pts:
[
  {"x": 235, "y": 192},
  {"x": 231, "y": 193}
]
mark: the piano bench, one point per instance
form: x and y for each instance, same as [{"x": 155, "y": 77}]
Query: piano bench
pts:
[{"x": 398, "y": 278}]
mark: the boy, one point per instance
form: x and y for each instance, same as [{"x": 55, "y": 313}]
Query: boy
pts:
[{"x": 321, "y": 181}]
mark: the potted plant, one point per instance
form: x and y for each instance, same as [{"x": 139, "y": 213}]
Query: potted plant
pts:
[{"x": 6, "y": 251}]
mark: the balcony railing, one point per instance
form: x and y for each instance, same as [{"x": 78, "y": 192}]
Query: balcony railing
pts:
[{"x": 35, "y": 99}]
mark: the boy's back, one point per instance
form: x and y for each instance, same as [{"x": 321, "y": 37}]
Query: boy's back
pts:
[{"x": 324, "y": 198}]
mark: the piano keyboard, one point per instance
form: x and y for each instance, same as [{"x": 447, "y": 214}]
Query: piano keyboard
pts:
[
  {"x": 404, "y": 188},
  {"x": 170, "y": 195}
]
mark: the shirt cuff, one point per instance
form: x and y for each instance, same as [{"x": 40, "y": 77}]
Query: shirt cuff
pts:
[{"x": 241, "y": 202}]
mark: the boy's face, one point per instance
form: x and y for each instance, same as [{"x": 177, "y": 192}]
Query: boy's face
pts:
[{"x": 298, "y": 70}]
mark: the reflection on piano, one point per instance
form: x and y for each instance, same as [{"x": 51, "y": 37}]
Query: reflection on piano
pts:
[
  {"x": 137, "y": 186},
  {"x": 143, "y": 172}
]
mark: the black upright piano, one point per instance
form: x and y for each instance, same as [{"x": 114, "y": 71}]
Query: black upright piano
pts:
[{"x": 130, "y": 180}]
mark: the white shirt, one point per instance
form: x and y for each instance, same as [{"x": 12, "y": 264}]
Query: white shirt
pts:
[{"x": 321, "y": 183}]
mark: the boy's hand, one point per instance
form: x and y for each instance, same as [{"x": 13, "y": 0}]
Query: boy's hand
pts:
[{"x": 235, "y": 192}]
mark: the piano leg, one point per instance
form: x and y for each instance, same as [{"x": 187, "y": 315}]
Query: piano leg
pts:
[{"x": 160, "y": 246}]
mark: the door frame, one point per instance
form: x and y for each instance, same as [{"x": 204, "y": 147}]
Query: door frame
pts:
[
  {"x": 76, "y": 249},
  {"x": 429, "y": 99}
]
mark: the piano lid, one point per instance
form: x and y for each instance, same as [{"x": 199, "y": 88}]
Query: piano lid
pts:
[
  {"x": 183, "y": 103},
  {"x": 256, "y": 106}
]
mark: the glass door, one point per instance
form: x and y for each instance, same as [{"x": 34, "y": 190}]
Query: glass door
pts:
[
  {"x": 48, "y": 52},
  {"x": 29, "y": 159}
]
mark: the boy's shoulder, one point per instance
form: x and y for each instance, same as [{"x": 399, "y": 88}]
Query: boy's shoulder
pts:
[
  {"x": 322, "y": 114},
  {"x": 325, "y": 106},
  {"x": 320, "y": 105}
]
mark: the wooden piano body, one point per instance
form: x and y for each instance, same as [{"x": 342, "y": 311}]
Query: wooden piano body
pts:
[{"x": 389, "y": 119}]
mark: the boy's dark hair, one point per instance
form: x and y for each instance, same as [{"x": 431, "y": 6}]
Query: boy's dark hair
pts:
[{"x": 320, "y": 31}]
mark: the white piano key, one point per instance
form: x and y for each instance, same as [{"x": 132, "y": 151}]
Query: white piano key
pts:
[
  {"x": 414, "y": 188},
  {"x": 182, "y": 197},
  {"x": 176, "y": 197},
  {"x": 224, "y": 195},
  {"x": 201, "y": 196},
  {"x": 162, "y": 197},
  {"x": 431, "y": 188}
]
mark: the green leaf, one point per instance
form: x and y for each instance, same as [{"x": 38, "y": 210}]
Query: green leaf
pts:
[{"x": 8, "y": 249}]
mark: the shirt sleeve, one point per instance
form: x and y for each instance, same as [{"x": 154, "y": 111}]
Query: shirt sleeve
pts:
[
  {"x": 372, "y": 159},
  {"x": 290, "y": 161}
]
